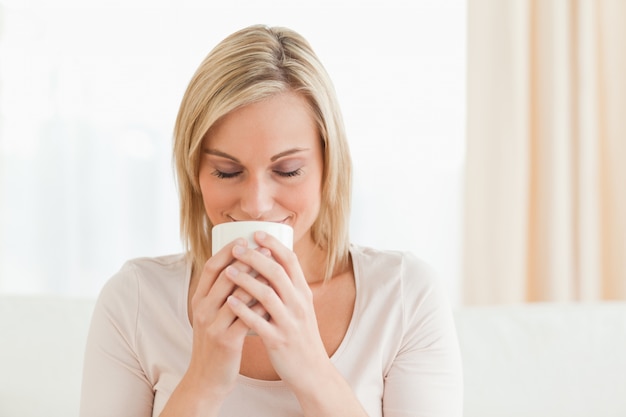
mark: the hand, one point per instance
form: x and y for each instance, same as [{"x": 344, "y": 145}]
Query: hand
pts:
[
  {"x": 218, "y": 334},
  {"x": 291, "y": 336}
]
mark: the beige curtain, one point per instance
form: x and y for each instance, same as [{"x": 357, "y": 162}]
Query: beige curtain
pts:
[{"x": 545, "y": 202}]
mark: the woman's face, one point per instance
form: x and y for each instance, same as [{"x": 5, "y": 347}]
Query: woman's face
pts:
[{"x": 264, "y": 162}]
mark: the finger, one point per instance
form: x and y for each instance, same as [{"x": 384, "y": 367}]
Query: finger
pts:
[
  {"x": 241, "y": 267},
  {"x": 254, "y": 306},
  {"x": 257, "y": 323},
  {"x": 219, "y": 319},
  {"x": 244, "y": 296},
  {"x": 258, "y": 309},
  {"x": 209, "y": 304},
  {"x": 284, "y": 256},
  {"x": 213, "y": 270},
  {"x": 215, "y": 265},
  {"x": 229, "y": 325},
  {"x": 263, "y": 293},
  {"x": 270, "y": 269}
]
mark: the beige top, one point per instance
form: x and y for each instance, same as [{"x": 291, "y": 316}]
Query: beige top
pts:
[{"x": 400, "y": 353}]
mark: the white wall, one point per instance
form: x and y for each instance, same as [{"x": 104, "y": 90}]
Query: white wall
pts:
[{"x": 88, "y": 97}]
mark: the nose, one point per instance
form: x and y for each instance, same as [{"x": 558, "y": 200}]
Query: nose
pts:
[{"x": 257, "y": 198}]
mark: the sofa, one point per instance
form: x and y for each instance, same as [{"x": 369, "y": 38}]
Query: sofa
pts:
[{"x": 534, "y": 360}]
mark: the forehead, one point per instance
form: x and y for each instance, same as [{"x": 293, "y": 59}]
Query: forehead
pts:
[{"x": 280, "y": 121}]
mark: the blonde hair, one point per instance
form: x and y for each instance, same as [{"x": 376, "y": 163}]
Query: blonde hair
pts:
[{"x": 249, "y": 66}]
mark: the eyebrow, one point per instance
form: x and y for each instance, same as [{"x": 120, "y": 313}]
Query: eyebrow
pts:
[
  {"x": 287, "y": 153},
  {"x": 273, "y": 158},
  {"x": 221, "y": 154}
]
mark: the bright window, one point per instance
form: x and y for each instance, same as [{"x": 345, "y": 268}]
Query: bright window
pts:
[{"x": 88, "y": 96}]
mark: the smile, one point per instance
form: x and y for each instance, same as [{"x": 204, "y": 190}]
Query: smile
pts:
[{"x": 283, "y": 221}]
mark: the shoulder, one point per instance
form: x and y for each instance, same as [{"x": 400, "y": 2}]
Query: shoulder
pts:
[
  {"x": 400, "y": 280},
  {"x": 402, "y": 267},
  {"x": 413, "y": 291},
  {"x": 160, "y": 265},
  {"x": 144, "y": 276}
]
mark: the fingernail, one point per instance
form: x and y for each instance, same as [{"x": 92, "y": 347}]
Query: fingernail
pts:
[
  {"x": 232, "y": 271},
  {"x": 239, "y": 250},
  {"x": 261, "y": 235},
  {"x": 265, "y": 251},
  {"x": 233, "y": 301}
]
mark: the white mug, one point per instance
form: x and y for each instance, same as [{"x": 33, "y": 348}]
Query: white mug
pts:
[{"x": 224, "y": 233}]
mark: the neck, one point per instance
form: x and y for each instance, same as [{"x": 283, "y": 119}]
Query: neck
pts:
[{"x": 312, "y": 259}]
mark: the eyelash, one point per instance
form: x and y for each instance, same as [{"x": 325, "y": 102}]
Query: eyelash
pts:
[
  {"x": 225, "y": 175},
  {"x": 290, "y": 173},
  {"x": 229, "y": 175}
]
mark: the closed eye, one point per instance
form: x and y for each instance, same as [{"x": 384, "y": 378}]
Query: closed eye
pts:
[
  {"x": 288, "y": 174},
  {"x": 225, "y": 175}
]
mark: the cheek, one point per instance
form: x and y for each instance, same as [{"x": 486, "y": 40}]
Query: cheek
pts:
[
  {"x": 308, "y": 198},
  {"x": 306, "y": 202},
  {"x": 213, "y": 197}
]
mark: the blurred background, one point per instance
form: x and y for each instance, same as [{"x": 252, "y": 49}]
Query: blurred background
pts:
[
  {"x": 488, "y": 136},
  {"x": 89, "y": 92}
]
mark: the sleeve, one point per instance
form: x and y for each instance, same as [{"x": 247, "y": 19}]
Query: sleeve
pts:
[
  {"x": 426, "y": 377},
  {"x": 114, "y": 383}
]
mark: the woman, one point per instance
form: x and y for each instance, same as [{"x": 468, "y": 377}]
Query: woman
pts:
[{"x": 338, "y": 329}]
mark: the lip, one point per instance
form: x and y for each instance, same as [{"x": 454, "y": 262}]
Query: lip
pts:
[{"x": 283, "y": 221}]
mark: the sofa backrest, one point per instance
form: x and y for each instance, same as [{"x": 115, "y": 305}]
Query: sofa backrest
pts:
[
  {"x": 42, "y": 340},
  {"x": 544, "y": 360},
  {"x": 537, "y": 360}
]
